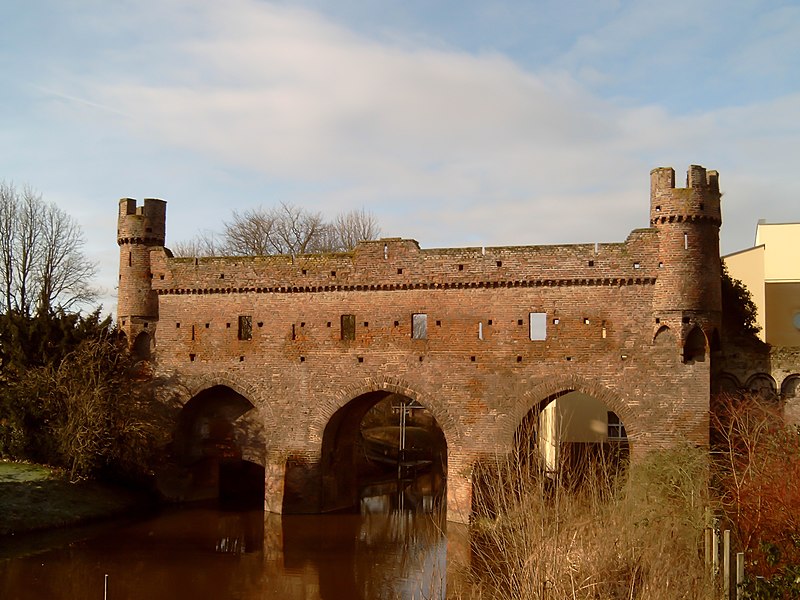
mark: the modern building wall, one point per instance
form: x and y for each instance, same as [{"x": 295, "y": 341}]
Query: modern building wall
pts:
[{"x": 771, "y": 272}]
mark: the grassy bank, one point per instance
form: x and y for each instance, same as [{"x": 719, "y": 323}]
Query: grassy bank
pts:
[{"x": 34, "y": 497}]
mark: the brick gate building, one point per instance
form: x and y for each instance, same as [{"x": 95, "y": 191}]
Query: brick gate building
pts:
[{"x": 292, "y": 351}]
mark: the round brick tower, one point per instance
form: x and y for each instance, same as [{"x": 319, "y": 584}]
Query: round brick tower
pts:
[
  {"x": 688, "y": 219},
  {"x": 139, "y": 230}
]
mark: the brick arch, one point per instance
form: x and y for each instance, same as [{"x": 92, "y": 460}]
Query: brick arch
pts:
[
  {"x": 325, "y": 410},
  {"x": 550, "y": 387},
  {"x": 194, "y": 385},
  {"x": 790, "y": 386},
  {"x": 766, "y": 377}
]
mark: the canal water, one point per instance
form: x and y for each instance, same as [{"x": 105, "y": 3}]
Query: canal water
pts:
[{"x": 207, "y": 552}]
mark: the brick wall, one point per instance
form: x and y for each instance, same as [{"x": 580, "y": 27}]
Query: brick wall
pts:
[{"x": 477, "y": 371}]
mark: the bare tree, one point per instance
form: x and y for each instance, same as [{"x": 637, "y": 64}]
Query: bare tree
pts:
[
  {"x": 348, "y": 229},
  {"x": 206, "y": 243},
  {"x": 250, "y": 233},
  {"x": 42, "y": 265},
  {"x": 298, "y": 231},
  {"x": 285, "y": 229}
]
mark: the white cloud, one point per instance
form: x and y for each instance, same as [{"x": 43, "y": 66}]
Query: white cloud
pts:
[{"x": 443, "y": 145}]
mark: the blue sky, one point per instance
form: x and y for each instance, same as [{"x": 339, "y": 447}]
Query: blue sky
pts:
[{"x": 455, "y": 123}]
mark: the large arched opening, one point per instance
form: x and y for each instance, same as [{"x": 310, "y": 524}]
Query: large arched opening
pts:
[
  {"x": 216, "y": 445},
  {"x": 572, "y": 436},
  {"x": 381, "y": 452}
]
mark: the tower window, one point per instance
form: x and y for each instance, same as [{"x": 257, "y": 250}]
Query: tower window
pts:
[
  {"x": 348, "y": 327},
  {"x": 245, "y": 327},
  {"x": 538, "y": 326},
  {"x": 419, "y": 326}
]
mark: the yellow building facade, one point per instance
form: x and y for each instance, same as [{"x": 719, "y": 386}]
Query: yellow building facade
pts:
[{"x": 771, "y": 272}]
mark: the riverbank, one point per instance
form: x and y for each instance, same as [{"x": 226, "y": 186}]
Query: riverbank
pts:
[{"x": 36, "y": 497}]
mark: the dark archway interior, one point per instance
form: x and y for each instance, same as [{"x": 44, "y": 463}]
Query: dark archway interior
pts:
[
  {"x": 142, "y": 346},
  {"x": 205, "y": 445},
  {"x": 382, "y": 451},
  {"x": 694, "y": 350}
]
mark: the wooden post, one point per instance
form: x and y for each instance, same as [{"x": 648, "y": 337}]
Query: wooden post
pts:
[
  {"x": 726, "y": 564},
  {"x": 715, "y": 553},
  {"x": 739, "y": 574}
]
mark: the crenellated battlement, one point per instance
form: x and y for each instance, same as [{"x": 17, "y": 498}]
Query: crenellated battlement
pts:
[
  {"x": 145, "y": 224},
  {"x": 697, "y": 202}
]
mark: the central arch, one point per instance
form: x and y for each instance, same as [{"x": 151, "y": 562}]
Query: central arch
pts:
[{"x": 382, "y": 449}]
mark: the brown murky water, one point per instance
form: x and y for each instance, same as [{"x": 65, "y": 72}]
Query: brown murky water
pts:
[{"x": 200, "y": 553}]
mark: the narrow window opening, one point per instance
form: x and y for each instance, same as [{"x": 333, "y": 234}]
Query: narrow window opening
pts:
[
  {"x": 569, "y": 358},
  {"x": 302, "y": 324},
  {"x": 241, "y": 359},
  {"x": 145, "y": 325},
  {"x": 637, "y": 265},
  {"x": 397, "y": 323},
  {"x": 438, "y": 323},
  {"x": 480, "y": 330},
  {"x": 222, "y": 275},
  {"x": 604, "y": 333},
  {"x": 177, "y": 325},
  {"x": 489, "y": 322},
  {"x": 385, "y": 251},
  {"x": 130, "y": 259},
  {"x": 460, "y": 267},
  {"x": 472, "y": 358},
  {"x": 616, "y": 430},
  {"x": 538, "y": 326},
  {"x": 227, "y": 325},
  {"x": 208, "y": 325},
  {"x": 658, "y": 320},
  {"x": 193, "y": 333},
  {"x": 658, "y": 209},
  {"x": 420, "y": 359},
  {"x": 685, "y": 241},
  {"x": 685, "y": 319},
  {"x": 556, "y": 321},
  {"x": 419, "y": 326},
  {"x": 245, "y": 327},
  {"x": 302, "y": 359},
  {"x": 702, "y": 206},
  {"x": 304, "y": 272},
  {"x": 294, "y": 332},
  {"x": 328, "y": 324},
  {"x": 348, "y": 327},
  {"x": 591, "y": 263},
  {"x": 161, "y": 277},
  {"x": 192, "y": 357},
  {"x": 333, "y": 273},
  {"x": 260, "y": 323},
  {"x": 660, "y": 265},
  {"x": 519, "y": 359},
  {"x": 586, "y": 321}
]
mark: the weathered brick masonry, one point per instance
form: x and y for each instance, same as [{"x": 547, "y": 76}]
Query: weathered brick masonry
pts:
[{"x": 629, "y": 323}]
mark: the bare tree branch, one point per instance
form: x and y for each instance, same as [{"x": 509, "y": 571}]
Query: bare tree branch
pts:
[{"x": 42, "y": 265}]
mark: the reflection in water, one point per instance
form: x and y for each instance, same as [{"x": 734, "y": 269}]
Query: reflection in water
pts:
[{"x": 209, "y": 553}]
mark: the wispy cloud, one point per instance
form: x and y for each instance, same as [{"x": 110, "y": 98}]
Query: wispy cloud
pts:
[
  {"x": 79, "y": 101},
  {"x": 443, "y": 144}
]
